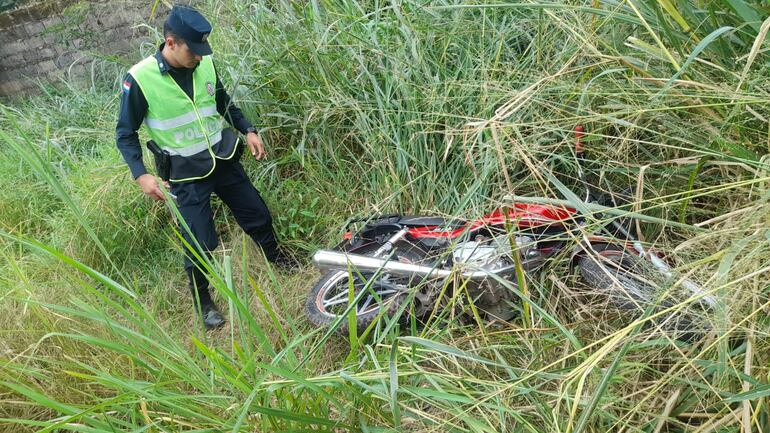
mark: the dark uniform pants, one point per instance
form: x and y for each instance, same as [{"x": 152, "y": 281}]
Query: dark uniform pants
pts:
[{"x": 230, "y": 183}]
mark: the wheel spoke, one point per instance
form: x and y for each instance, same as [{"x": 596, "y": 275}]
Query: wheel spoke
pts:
[
  {"x": 380, "y": 294},
  {"x": 340, "y": 299},
  {"x": 369, "y": 298},
  {"x": 336, "y": 298},
  {"x": 337, "y": 302}
]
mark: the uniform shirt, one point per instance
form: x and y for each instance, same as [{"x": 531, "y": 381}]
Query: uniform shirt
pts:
[{"x": 133, "y": 108}]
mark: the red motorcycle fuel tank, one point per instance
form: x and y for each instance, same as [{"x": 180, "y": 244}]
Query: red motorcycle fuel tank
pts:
[{"x": 524, "y": 215}]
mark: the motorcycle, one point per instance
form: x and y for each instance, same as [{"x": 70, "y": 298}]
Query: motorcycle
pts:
[{"x": 395, "y": 258}]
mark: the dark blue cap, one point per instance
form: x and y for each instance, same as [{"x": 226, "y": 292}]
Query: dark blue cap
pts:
[{"x": 191, "y": 26}]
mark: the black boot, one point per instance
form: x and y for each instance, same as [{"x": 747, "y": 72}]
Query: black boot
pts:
[
  {"x": 212, "y": 318},
  {"x": 265, "y": 239},
  {"x": 199, "y": 287},
  {"x": 283, "y": 260}
]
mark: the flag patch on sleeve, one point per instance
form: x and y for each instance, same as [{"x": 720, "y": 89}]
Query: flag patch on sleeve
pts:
[{"x": 126, "y": 86}]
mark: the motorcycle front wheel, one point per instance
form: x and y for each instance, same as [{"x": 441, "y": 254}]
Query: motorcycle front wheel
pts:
[{"x": 633, "y": 285}]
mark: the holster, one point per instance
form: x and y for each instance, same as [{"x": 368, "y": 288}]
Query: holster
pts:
[{"x": 162, "y": 160}]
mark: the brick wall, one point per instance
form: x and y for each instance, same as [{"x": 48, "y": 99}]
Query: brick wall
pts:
[{"x": 51, "y": 39}]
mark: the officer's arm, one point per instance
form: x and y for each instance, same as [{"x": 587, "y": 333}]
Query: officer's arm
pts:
[
  {"x": 133, "y": 107},
  {"x": 228, "y": 110}
]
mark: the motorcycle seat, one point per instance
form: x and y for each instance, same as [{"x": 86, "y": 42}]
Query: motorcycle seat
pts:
[{"x": 430, "y": 221}]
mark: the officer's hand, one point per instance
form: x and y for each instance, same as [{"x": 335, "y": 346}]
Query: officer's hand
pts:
[
  {"x": 150, "y": 186},
  {"x": 256, "y": 146}
]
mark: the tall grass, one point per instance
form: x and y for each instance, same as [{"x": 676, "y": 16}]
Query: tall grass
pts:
[{"x": 371, "y": 107}]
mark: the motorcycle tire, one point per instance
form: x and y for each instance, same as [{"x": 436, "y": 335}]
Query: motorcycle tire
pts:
[
  {"x": 328, "y": 299},
  {"x": 336, "y": 284},
  {"x": 631, "y": 284}
]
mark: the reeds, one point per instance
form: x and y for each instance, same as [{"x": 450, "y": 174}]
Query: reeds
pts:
[{"x": 372, "y": 107}]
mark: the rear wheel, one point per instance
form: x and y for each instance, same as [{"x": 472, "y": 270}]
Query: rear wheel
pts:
[
  {"x": 330, "y": 299},
  {"x": 633, "y": 285},
  {"x": 374, "y": 299}
]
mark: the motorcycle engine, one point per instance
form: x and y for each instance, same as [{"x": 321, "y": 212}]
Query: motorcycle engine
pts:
[{"x": 490, "y": 253}]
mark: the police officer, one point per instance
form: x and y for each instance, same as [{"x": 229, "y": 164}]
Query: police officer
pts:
[{"x": 179, "y": 97}]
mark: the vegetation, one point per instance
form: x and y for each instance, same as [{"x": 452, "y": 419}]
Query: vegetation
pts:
[{"x": 421, "y": 107}]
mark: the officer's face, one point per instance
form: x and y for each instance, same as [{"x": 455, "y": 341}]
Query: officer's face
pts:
[
  {"x": 191, "y": 59},
  {"x": 183, "y": 56}
]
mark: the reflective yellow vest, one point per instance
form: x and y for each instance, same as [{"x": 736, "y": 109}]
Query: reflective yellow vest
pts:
[{"x": 191, "y": 130}]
